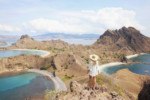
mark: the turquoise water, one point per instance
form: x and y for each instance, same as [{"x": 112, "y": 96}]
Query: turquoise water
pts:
[
  {"x": 11, "y": 53},
  {"x": 11, "y": 82},
  {"x": 142, "y": 68},
  {"x": 21, "y": 86}
]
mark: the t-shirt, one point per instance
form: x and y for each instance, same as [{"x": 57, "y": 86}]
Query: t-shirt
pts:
[{"x": 93, "y": 69}]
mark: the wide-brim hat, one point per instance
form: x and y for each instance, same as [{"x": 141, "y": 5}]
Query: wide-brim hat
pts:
[{"x": 94, "y": 57}]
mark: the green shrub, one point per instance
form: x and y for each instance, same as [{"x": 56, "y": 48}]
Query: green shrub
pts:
[
  {"x": 118, "y": 89},
  {"x": 66, "y": 77},
  {"x": 30, "y": 67},
  {"x": 101, "y": 79},
  {"x": 43, "y": 68}
]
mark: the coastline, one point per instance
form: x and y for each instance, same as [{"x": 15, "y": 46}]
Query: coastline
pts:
[
  {"x": 58, "y": 83},
  {"x": 47, "y": 53},
  {"x": 112, "y": 64},
  {"x": 135, "y": 55}
]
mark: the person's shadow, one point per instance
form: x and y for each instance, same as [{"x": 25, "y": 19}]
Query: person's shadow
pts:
[{"x": 145, "y": 92}]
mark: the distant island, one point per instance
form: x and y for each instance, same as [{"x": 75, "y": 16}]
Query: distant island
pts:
[{"x": 2, "y": 43}]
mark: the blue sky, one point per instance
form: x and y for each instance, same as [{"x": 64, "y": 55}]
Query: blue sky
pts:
[{"x": 72, "y": 16}]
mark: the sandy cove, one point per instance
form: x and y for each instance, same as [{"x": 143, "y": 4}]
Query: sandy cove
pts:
[
  {"x": 47, "y": 53},
  {"x": 135, "y": 55},
  {"x": 58, "y": 83},
  {"x": 101, "y": 68}
]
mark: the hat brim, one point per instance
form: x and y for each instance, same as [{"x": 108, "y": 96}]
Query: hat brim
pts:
[{"x": 94, "y": 57}]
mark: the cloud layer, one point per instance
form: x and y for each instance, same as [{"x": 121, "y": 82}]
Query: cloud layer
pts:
[
  {"x": 81, "y": 22},
  {"x": 9, "y": 28}
]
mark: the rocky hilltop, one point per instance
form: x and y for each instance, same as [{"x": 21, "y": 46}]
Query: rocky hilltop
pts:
[
  {"x": 27, "y": 42},
  {"x": 124, "y": 85},
  {"x": 124, "y": 40}
]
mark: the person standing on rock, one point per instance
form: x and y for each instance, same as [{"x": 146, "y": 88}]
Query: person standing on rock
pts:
[{"x": 93, "y": 70}]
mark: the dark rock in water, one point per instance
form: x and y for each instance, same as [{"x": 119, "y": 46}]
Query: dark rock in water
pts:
[
  {"x": 126, "y": 39},
  {"x": 123, "y": 58}
]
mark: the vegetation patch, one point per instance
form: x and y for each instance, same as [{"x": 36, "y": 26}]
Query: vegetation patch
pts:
[
  {"x": 45, "y": 67},
  {"x": 108, "y": 81},
  {"x": 67, "y": 77},
  {"x": 54, "y": 50}
]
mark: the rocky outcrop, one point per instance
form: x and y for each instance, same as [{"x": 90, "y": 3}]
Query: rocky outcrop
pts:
[
  {"x": 80, "y": 92},
  {"x": 125, "y": 40},
  {"x": 25, "y": 37},
  {"x": 27, "y": 42}
]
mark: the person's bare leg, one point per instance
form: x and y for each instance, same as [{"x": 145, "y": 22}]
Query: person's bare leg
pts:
[
  {"x": 94, "y": 82},
  {"x": 90, "y": 82}
]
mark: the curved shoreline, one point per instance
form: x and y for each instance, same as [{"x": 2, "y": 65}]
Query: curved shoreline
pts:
[
  {"x": 135, "y": 55},
  {"x": 112, "y": 64},
  {"x": 58, "y": 83},
  {"x": 47, "y": 53}
]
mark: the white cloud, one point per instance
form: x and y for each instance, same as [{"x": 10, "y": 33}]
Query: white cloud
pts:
[
  {"x": 86, "y": 21},
  {"x": 117, "y": 17},
  {"x": 67, "y": 25},
  {"x": 9, "y": 28}
]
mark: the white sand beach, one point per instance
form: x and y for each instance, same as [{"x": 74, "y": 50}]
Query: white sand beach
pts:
[
  {"x": 58, "y": 83},
  {"x": 135, "y": 55},
  {"x": 132, "y": 56},
  {"x": 101, "y": 67},
  {"x": 46, "y": 53}
]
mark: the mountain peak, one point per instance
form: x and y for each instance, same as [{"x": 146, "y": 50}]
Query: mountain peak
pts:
[
  {"x": 25, "y": 37},
  {"x": 125, "y": 37}
]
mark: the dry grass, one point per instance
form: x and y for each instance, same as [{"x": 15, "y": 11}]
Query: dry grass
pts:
[{"x": 109, "y": 82}]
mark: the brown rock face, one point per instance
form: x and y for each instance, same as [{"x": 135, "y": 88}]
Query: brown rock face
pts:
[
  {"x": 70, "y": 63},
  {"x": 125, "y": 39},
  {"x": 79, "y": 92}
]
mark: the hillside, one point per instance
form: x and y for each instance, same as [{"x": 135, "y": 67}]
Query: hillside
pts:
[{"x": 124, "y": 40}]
